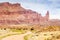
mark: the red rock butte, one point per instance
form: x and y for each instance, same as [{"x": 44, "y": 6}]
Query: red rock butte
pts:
[{"x": 16, "y": 14}]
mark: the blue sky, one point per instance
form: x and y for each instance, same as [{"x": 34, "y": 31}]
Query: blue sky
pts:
[{"x": 40, "y": 6}]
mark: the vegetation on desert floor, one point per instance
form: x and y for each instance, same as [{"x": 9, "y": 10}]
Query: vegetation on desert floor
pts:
[
  {"x": 9, "y": 32},
  {"x": 53, "y": 35},
  {"x": 38, "y": 32}
]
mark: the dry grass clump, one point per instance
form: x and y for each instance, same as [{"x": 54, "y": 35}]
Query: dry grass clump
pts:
[{"x": 32, "y": 27}]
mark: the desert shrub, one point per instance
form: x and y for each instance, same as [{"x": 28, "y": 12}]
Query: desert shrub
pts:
[
  {"x": 25, "y": 29},
  {"x": 58, "y": 37},
  {"x": 32, "y": 29},
  {"x": 4, "y": 28}
]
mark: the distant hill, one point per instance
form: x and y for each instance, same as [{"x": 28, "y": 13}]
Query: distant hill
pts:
[{"x": 54, "y": 22}]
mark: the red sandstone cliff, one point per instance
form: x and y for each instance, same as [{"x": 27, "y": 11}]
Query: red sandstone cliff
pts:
[{"x": 16, "y": 14}]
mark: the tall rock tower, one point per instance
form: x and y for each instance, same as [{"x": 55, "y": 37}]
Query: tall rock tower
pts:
[{"x": 47, "y": 15}]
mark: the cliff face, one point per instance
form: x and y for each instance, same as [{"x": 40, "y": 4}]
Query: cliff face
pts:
[{"x": 16, "y": 14}]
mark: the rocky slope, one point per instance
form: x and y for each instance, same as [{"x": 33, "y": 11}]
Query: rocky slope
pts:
[{"x": 16, "y": 14}]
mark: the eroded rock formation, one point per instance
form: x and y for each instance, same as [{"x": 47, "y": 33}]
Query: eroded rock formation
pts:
[{"x": 16, "y": 14}]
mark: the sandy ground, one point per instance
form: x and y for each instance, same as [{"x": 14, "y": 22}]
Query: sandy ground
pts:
[
  {"x": 16, "y": 37},
  {"x": 40, "y": 37}
]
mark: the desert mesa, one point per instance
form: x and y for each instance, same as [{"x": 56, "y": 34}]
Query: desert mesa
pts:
[{"x": 16, "y": 14}]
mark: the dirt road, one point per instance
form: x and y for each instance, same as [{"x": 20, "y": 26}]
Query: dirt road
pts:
[{"x": 16, "y": 37}]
